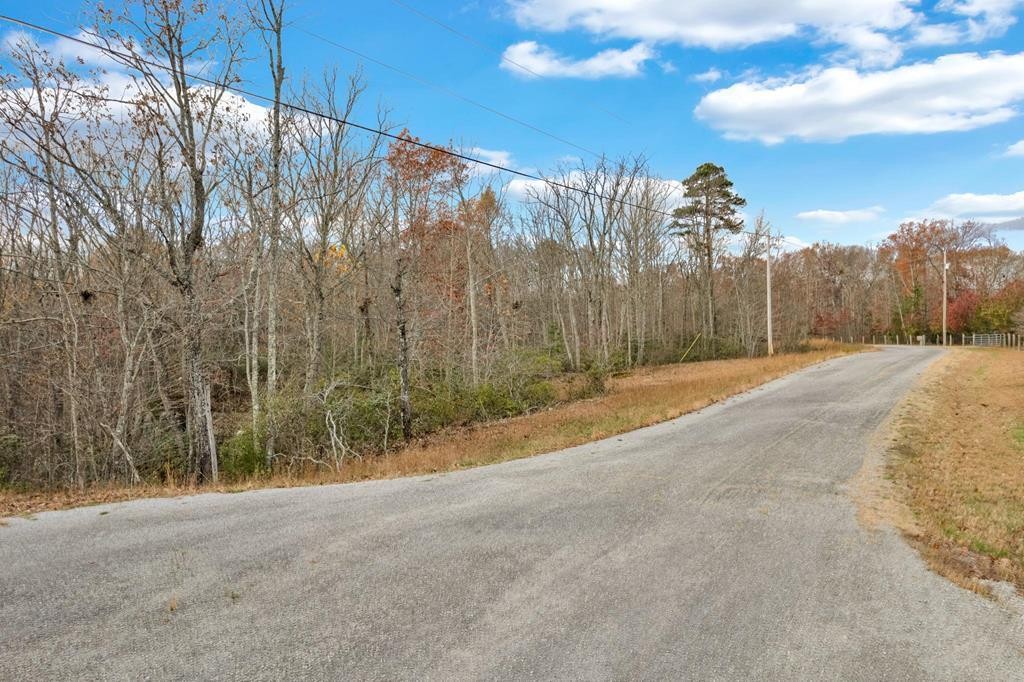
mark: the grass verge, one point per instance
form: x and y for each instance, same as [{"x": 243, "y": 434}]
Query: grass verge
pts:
[
  {"x": 634, "y": 400},
  {"x": 958, "y": 464}
]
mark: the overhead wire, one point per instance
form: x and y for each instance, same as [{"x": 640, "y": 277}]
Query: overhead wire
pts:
[
  {"x": 482, "y": 45},
  {"x": 129, "y": 58},
  {"x": 446, "y": 90}
]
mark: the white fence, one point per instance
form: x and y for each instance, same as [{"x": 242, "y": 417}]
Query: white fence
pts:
[
  {"x": 998, "y": 340},
  {"x": 991, "y": 340}
]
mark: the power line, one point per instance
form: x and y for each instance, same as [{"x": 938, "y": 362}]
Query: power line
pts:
[
  {"x": 132, "y": 57},
  {"x": 446, "y": 91},
  {"x": 484, "y": 46}
]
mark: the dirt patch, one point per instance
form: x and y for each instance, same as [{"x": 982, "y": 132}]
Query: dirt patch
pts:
[
  {"x": 635, "y": 400},
  {"x": 873, "y": 490},
  {"x": 953, "y": 480}
]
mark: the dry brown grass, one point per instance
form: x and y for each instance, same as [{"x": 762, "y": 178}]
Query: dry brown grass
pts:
[
  {"x": 634, "y": 400},
  {"x": 958, "y": 464}
]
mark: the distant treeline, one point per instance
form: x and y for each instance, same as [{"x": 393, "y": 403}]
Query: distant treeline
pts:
[{"x": 192, "y": 285}]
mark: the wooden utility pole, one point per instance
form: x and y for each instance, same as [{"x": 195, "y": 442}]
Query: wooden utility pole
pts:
[
  {"x": 768, "y": 275},
  {"x": 945, "y": 272}
]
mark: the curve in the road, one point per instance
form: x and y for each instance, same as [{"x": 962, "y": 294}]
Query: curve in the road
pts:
[{"x": 721, "y": 545}]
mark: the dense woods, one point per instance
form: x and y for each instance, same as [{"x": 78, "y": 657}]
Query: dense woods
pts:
[{"x": 195, "y": 285}]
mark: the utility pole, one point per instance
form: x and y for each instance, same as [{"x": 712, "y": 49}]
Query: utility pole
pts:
[
  {"x": 768, "y": 275},
  {"x": 945, "y": 298}
]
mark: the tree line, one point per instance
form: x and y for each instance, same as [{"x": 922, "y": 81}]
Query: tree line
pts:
[{"x": 193, "y": 286}]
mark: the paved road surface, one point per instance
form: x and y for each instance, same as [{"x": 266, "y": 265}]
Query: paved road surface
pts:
[{"x": 722, "y": 545}]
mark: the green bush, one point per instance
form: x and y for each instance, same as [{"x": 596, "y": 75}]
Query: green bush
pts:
[
  {"x": 541, "y": 364},
  {"x": 490, "y": 402},
  {"x": 367, "y": 415},
  {"x": 365, "y": 412},
  {"x": 460, "y": 404},
  {"x": 436, "y": 409},
  {"x": 618, "y": 361},
  {"x": 539, "y": 394},
  {"x": 241, "y": 455},
  {"x": 10, "y": 454}
]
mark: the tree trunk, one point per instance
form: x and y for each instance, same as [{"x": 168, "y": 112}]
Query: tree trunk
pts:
[
  {"x": 405, "y": 401},
  {"x": 251, "y": 341},
  {"x": 314, "y": 341},
  {"x": 204, "y": 447},
  {"x": 474, "y": 332},
  {"x": 709, "y": 275},
  {"x": 275, "y": 16},
  {"x": 117, "y": 434}
]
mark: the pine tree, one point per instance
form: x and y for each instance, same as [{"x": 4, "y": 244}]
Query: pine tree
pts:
[{"x": 709, "y": 213}]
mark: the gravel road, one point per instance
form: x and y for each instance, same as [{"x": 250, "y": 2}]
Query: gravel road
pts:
[{"x": 721, "y": 545}]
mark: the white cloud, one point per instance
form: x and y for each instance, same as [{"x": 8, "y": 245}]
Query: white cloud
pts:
[
  {"x": 74, "y": 51},
  {"x": 780, "y": 243},
  {"x": 790, "y": 243},
  {"x": 983, "y": 19},
  {"x": 523, "y": 189},
  {"x": 1015, "y": 225},
  {"x": 722, "y": 25},
  {"x": 13, "y": 38},
  {"x": 499, "y": 157},
  {"x": 870, "y": 32},
  {"x": 937, "y": 34},
  {"x": 969, "y": 205},
  {"x": 107, "y": 94},
  {"x": 712, "y": 75},
  {"x": 545, "y": 62},
  {"x": 1016, "y": 149},
  {"x": 956, "y": 92},
  {"x": 867, "y": 46},
  {"x": 973, "y": 21},
  {"x": 709, "y": 23},
  {"x": 71, "y": 52},
  {"x": 857, "y": 215}
]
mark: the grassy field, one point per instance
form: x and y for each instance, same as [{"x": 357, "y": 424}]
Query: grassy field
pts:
[
  {"x": 958, "y": 464},
  {"x": 641, "y": 398}
]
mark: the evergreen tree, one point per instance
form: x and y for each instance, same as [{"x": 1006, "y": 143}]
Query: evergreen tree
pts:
[{"x": 709, "y": 214}]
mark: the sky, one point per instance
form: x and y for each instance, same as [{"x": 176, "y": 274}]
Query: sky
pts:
[{"x": 838, "y": 118}]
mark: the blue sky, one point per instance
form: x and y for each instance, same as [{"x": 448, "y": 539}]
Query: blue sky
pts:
[{"x": 839, "y": 118}]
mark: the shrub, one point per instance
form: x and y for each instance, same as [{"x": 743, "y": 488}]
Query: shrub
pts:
[
  {"x": 241, "y": 455},
  {"x": 583, "y": 385},
  {"x": 490, "y": 402},
  {"x": 436, "y": 409},
  {"x": 539, "y": 394},
  {"x": 10, "y": 450}
]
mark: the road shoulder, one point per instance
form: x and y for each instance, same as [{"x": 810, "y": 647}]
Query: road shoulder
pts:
[{"x": 944, "y": 470}]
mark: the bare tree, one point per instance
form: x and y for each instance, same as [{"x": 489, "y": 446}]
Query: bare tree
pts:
[
  {"x": 158, "y": 43},
  {"x": 331, "y": 200},
  {"x": 268, "y": 17},
  {"x": 321, "y": 292}
]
